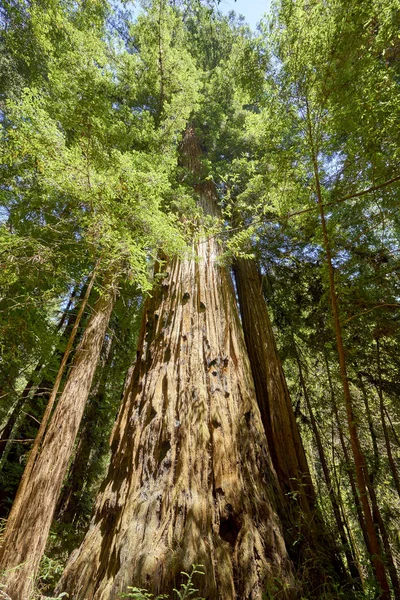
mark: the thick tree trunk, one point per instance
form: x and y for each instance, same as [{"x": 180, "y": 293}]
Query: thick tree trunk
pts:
[
  {"x": 190, "y": 479},
  {"x": 26, "y": 477},
  {"x": 273, "y": 397},
  {"x": 29, "y": 522},
  {"x": 91, "y": 447},
  {"x": 308, "y": 541}
]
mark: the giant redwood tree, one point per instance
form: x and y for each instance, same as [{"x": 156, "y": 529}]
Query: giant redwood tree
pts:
[
  {"x": 191, "y": 478},
  {"x": 294, "y": 160}
]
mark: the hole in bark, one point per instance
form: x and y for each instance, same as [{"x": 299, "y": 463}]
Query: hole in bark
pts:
[
  {"x": 229, "y": 527},
  {"x": 165, "y": 447},
  {"x": 141, "y": 406},
  {"x": 247, "y": 416},
  {"x": 167, "y": 354},
  {"x": 202, "y": 307},
  {"x": 214, "y": 373},
  {"x": 151, "y": 415},
  {"x": 165, "y": 391},
  {"x": 219, "y": 492},
  {"x": 227, "y": 394},
  {"x": 216, "y": 423},
  {"x": 185, "y": 297}
]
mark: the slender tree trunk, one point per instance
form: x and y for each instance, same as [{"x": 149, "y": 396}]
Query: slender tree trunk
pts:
[
  {"x": 24, "y": 397},
  {"x": 374, "y": 440},
  {"x": 40, "y": 386},
  {"x": 392, "y": 463},
  {"x": 350, "y": 536},
  {"x": 380, "y": 526},
  {"x": 12, "y": 419},
  {"x": 396, "y": 437},
  {"x": 359, "y": 459},
  {"x": 331, "y": 491},
  {"x": 348, "y": 463},
  {"x": 32, "y": 420},
  {"x": 190, "y": 479},
  {"x": 30, "y": 519}
]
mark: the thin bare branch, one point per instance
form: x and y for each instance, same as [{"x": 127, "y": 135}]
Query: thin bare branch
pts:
[
  {"x": 349, "y": 197},
  {"x": 370, "y": 310}
]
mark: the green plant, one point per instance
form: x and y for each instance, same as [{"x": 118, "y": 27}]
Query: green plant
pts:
[
  {"x": 50, "y": 570},
  {"x": 187, "y": 590},
  {"x": 49, "y": 573},
  {"x": 141, "y": 594}
]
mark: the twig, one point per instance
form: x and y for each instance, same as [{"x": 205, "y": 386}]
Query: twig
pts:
[{"x": 26, "y": 441}]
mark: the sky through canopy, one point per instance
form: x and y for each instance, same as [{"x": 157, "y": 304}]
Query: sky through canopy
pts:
[{"x": 252, "y": 10}]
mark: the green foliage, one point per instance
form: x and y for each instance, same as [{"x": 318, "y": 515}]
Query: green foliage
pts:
[
  {"x": 88, "y": 163},
  {"x": 49, "y": 572}
]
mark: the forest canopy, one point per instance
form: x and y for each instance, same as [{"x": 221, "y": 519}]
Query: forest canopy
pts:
[{"x": 199, "y": 300}]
